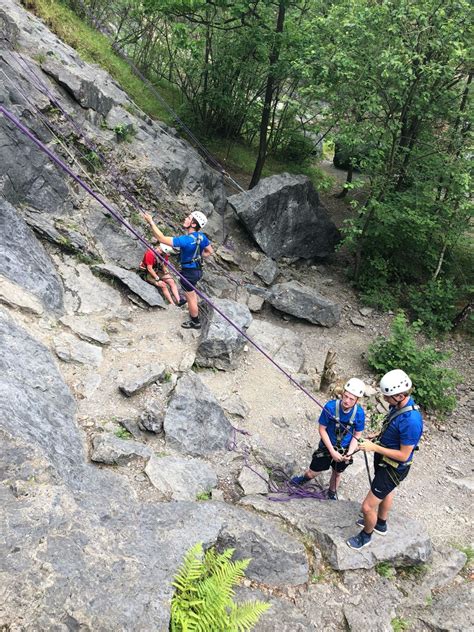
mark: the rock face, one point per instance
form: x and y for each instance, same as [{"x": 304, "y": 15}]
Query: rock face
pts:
[
  {"x": 135, "y": 384},
  {"x": 220, "y": 343},
  {"x": 194, "y": 422},
  {"x": 180, "y": 479},
  {"x": 267, "y": 270},
  {"x": 70, "y": 349},
  {"x": 147, "y": 292},
  {"x": 282, "y": 344},
  {"x": 24, "y": 262},
  {"x": 331, "y": 524},
  {"x": 304, "y": 302},
  {"x": 285, "y": 217},
  {"x": 112, "y": 450}
]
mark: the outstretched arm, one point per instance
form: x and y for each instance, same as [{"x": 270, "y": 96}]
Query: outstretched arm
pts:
[
  {"x": 156, "y": 231},
  {"x": 207, "y": 252}
]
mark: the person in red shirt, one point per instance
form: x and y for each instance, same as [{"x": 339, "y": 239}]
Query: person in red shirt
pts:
[{"x": 156, "y": 272}]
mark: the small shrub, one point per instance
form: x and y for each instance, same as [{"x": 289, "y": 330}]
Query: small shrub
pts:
[
  {"x": 414, "y": 572},
  {"x": 433, "y": 384},
  {"x": 203, "y": 496},
  {"x": 385, "y": 569},
  {"x": 204, "y": 591},
  {"x": 122, "y": 433},
  {"x": 93, "y": 161},
  {"x": 399, "y": 625},
  {"x": 124, "y": 132}
]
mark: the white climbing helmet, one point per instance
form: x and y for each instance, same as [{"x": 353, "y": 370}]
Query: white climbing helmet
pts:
[
  {"x": 168, "y": 250},
  {"x": 355, "y": 387},
  {"x": 200, "y": 218},
  {"x": 395, "y": 382}
]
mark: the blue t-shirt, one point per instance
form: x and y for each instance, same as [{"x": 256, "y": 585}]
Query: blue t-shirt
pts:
[
  {"x": 406, "y": 429},
  {"x": 327, "y": 420},
  {"x": 187, "y": 245}
]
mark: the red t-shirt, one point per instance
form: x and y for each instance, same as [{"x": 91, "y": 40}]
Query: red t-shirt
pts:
[{"x": 150, "y": 259}]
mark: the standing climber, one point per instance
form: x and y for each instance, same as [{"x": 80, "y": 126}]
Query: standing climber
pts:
[
  {"x": 157, "y": 273},
  {"x": 399, "y": 437},
  {"x": 194, "y": 245},
  {"x": 340, "y": 426}
]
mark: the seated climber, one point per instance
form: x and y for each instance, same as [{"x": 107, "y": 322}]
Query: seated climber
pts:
[
  {"x": 340, "y": 426},
  {"x": 393, "y": 454},
  {"x": 156, "y": 272}
]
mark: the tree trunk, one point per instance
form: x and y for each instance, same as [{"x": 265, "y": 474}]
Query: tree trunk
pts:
[{"x": 271, "y": 80}]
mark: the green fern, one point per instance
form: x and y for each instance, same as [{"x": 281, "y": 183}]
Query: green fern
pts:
[{"x": 204, "y": 590}]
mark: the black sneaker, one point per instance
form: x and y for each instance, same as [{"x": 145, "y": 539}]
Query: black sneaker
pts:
[
  {"x": 381, "y": 529},
  {"x": 332, "y": 495},
  {"x": 190, "y": 324},
  {"x": 181, "y": 302}
]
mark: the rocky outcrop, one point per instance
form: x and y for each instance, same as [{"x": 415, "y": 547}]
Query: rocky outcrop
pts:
[
  {"x": 332, "y": 524},
  {"x": 25, "y": 263},
  {"x": 267, "y": 270},
  {"x": 147, "y": 292},
  {"x": 282, "y": 344},
  {"x": 194, "y": 421},
  {"x": 176, "y": 478},
  {"x": 109, "y": 449},
  {"x": 285, "y": 217},
  {"x": 304, "y": 302},
  {"x": 221, "y": 344},
  {"x": 139, "y": 379},
  {"x": 69, "y": 349}
]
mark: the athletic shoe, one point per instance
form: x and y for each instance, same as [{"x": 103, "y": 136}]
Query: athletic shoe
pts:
[
  {"x": 359, "y": 541},
  {"x": 332, "y": 495},
  {"x": 181, "y": 302},
  {"x": 381, "y": 529},
  {"x": 298, "y": 480},
  {"x": 190, "y": 324}
]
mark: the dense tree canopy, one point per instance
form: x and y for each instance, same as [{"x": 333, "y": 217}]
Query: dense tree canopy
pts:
[{"x": 388, "y": 80}]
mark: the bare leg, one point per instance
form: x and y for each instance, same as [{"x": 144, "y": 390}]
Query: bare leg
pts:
[
  {"x": 174, "y": 289},
  {"x": 192, "y": 300},
  {"x": 385, "y": 506},
  {"x": 166, "y": 293},
  {"x": 370, "y": 508},
  {"x": 334, "y": 481}
]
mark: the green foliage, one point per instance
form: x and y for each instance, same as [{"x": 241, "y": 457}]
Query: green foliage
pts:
[
  {"x": 203, "y": 496},
  {"x": 122, "y": 433},
  {"x": 204, "y": 590},
  {"x": 385, "y": 569},
  {"x": 399, "y": 625},
  {"x": 433, "y": 383},
  {"x": 124, "y": 132},
  {"x": 93, "y": 161},
  {"x": 434, "y": 305}
]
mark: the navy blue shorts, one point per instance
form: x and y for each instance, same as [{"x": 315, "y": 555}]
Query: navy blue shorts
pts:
[
  {"x": 322, "y": 461},
  {"x": 386, "y": 477},
  {"x": 192, "y": 276}
]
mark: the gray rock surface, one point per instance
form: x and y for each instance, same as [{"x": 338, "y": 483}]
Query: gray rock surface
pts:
[
  {"x": 194, "y": 421},
  {"x": 69, "y": 349},
  {"x": 285, "y": 217},
  {"x": 451, "y": 611},
  {"x": 24, "y": 262},
  {"x": 255, "y": 303},
  {"x": 331, "y": 524},
  {"x": 152, "y": 418},
  {"x": 221, "y": 344},
  {"x": 109, "y": 449},
  {"x": 235, "y": 405},
  {"x": 18, "y": 298},
  {"x": 144, "y": 290},
  {"x": 282, "y": 344},
  {"x": 267, "y": 270},
  {"x": 278, "y": 558},
  {"x": 180, "y": 479},
  {"x": 86, "y": 329},
  {"x": 253, "y": 481},
  {"x": 86, "y": 293},
  {"x": 304, "y": 302},
  {"x": 141, "y": 378}
]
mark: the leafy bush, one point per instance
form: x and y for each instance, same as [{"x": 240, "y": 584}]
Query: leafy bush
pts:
[
  {"x": 203, "y": 597},
  {"x": 434, "y": 305},
  {"x": 433, "y": 383}
]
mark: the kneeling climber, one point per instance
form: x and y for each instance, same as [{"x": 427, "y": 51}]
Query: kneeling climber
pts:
[
  {"x": 393, "y": 453},
  {"x": 156, "y": 272},
  {"x": 340, "y": 426}
]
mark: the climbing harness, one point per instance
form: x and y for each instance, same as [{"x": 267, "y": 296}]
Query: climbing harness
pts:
[{"x": 196, "y": 259}]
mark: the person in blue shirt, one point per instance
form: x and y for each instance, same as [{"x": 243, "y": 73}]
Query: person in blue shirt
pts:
[
  {"x": 393, "y": 454},
  {"x": 194, "y": 245},
  {"x": 340, "y": 426}
]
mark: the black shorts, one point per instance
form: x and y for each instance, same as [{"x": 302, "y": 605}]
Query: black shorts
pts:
[
  {"x": 386, "y": 477},
  {"x": 322, "y": 461},
  {"x": 192, "y": 276}
]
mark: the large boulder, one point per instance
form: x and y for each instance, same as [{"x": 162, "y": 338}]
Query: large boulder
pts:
[
  {"x": 177, "y": 478},
  {"x": 284, "y": 215},
  {"x": 147, "y": 292},
  {"x": 194, "y": 421},
  {"x": 284, "y": 345},
  {"x": 221, "y": 344},
  {"x": 331, "y": 524},
  {"x": 24, "y": 261},
  {"x": 304, "y": 302}
]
